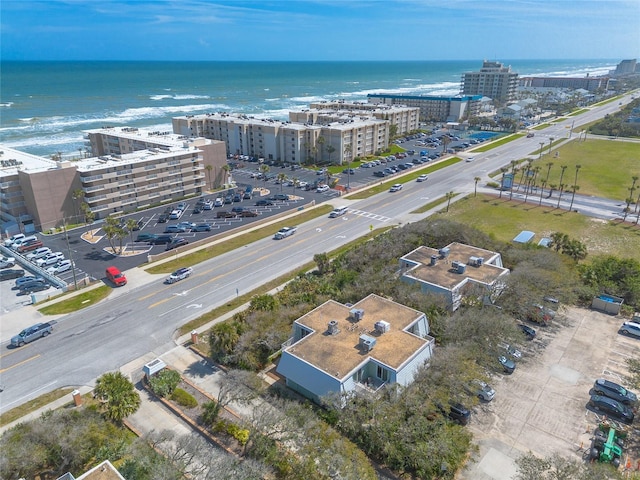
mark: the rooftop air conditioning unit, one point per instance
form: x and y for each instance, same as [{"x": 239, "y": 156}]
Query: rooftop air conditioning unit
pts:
[
  {"x": 444, "y": 252},
  {"x": 382, "y": 326},
  {"x": 332, "y": 327},
  {"x": 357, "y": 314},
  {"x": 458, "y": 267},
  {"x": 434, "y": 260},
  {"x": 476, "y": 261},
  {"x": 367, "y": 343}
]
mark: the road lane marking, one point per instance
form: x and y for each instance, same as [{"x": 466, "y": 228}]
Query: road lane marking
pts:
[
  {"x": 22, "y": 399},
  {"x": 19, "y": 363}
]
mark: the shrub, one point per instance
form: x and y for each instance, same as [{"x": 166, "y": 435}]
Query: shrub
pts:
[
  {"x": 230, "y": 428},
  {"x": 184, "y": 398},
  {"x": 165, "y": 382}
]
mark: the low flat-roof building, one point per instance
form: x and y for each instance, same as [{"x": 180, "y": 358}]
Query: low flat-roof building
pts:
[
  {"x": 433, "y": 108},
  {"x": 453, "y": 270},
  {"x": 592, "y": 84},
  {"x": 358, "y": 348}
]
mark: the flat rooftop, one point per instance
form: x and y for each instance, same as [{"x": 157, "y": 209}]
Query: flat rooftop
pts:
[
  {"x": 13, "y": 160},
  {"x": 106, "y": 161},
  {"x": 339, "y": 354},
  {"x": 443, "y": 274},
  {"x": 167, "y": 138}
]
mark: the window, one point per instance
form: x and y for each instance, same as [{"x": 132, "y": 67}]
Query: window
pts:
[{"x": 382, "y": 373}]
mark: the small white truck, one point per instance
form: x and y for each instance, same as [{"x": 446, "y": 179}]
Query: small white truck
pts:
[{"x": 285, "y": 232}]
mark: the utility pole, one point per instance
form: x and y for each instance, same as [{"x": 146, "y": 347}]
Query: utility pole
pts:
[{"x": 73, "y": 265}]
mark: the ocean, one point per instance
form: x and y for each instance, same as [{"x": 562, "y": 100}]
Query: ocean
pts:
[{"x": 45, "y": 106}]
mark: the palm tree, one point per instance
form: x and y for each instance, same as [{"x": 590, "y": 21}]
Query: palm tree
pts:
[
  {"x": 130, "y": 226},
  {"x": 513, "y": 172},
  {"x": 331, "y": 149},
  {"x": 117, "y": 394},
  {"x": 552, "y": 187},
  {"x": 282, "y": 177},
  {"x": 226, "y": 168},
  {"x": 551, "y": 139},
  {"x": 110, "y": 229},
  {"x": 627, "y": 209},
  {"x": 264, "y": 169},
  {"x": 575, "y": 180},
  {"x": 77, "y": 195},
  {"x": 475, "y": 187},
  {"x": 449, "y": 196},
  {"x": 563, "y": 168},
  {"x": 446, "y": 140},
  {"x": 549, "y": 165},
  {"x": 320, "y": 141},
  {"x": 632, "y": 189},
  {"x": 541, "y": 148},
  {"x": 503, "y": 170},
  {"x": 574, "y": 188},
  {"x": 209, "y": 168},
  {"x": 561, "y": 188}
]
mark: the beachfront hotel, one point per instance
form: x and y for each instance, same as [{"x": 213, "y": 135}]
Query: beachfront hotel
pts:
[
  {"x": 335, "y": 141},
  {"x": 493, "y": 80},
  {"x": 433, "y": 108},
  {"x": 133, "y": 169}
]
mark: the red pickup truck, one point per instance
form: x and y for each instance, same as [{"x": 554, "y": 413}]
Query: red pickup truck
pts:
[{"x": 32, "y": 245}]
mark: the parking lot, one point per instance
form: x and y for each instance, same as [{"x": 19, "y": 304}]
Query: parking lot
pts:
[{"x": 542, "y": 406}]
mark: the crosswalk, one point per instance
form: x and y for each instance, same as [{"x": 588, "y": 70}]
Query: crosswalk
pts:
[{"x": 372, "y": 216}]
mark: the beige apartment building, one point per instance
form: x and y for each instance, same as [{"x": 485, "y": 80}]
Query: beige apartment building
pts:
[
  {"x": 289, "y": 141},
  {"x": 433, "y": 108},
  {"x": 493, "y": 80},
  {"x": 406, "y": 119},
  {"x": 37, "y": 194}
]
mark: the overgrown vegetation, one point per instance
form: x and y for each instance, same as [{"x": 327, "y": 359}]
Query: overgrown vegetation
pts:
[{"x": 615, "y": 124}]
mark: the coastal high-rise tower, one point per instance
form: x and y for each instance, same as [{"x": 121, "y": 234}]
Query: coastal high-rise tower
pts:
[{"x": 494, "y": 80}]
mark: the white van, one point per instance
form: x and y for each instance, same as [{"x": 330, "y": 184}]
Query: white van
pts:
[
  {"x": 15, "y": 245},
  {"x": 10, "y": 241},
  {"x": 337, "y": 212}
]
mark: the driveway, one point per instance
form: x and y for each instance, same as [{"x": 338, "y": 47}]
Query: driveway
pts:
[{"x": 541, "y": 407}]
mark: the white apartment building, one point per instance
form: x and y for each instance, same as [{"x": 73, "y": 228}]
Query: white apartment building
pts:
[{"x": 288, "y": 141}]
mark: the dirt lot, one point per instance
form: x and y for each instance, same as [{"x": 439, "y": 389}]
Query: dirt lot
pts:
[{"x": 541, "y": 407}]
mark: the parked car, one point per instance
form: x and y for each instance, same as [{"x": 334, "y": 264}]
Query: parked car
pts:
[
  {"x": 264, "y": 203},
  {"x": 38, "y": 253},
  {"x": 630, "y": 328},
  {"x": 396, "y": 187},
  {"x": 10, "y": 274},
  {"x": 529, "y": 332},
  {"x": 177, "y": 242},
  {"x": 7, "y": 262},
  {"x": 237, "y": 197},
  {"x": 202, "y": 227},
  {"x": 29, "y": 246},
  {"x": 508, "y": 365},
  {"x": 175, "y": 229},
  {"x": 27, "y": 278},
  {"x": 248, "y": 213},
  {"x": 146, "y": 237},
  {"x": 459, "y": 413},
  {"x": 60, "y": 267},
  {"x": 323, "y": 188},
  {"x": 281, "y": 196},
  {"x": 115, "y": 276},
  {"x": 32, "y": 281},
  {"x": 511, "y": 350},
  {"x": 32, "y": 333},
  {"x": 182, "y": 206},
  {"x": 163, "y": 218},
  {"x": 10, "y": 241},
  {"x": 224, "y": 214},
  {"x": 207, "y": 205},
  {"x": 379, "y": 173},
  {"x": 161, "y": 239},
  {"x": 218, "y": 202},
  {"x": 176, "y": 214},
  {"x": 611, "y": 407},
  {"x": 187, "y": 225},
  {"x": 197, "y": 209},
  {"x": 30, "y": 288},
  {"x": 483, "y": 391},
  {"x": 179, "y": 274},
  {"x": 615, "y": 391},
  {"x": 422, "y": 177},
  {"x": 50, "y": 259}
]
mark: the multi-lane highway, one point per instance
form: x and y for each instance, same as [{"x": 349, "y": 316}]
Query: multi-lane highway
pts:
[{"x": 103, "y": 337}]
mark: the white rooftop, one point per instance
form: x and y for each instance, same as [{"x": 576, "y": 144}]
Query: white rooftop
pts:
[{"x": 13, "y": 160}]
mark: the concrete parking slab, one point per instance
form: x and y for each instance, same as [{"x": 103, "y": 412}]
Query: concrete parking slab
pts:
[{"x": 542, "y": 407}]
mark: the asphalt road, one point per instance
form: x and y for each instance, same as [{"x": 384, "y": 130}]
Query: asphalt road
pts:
[{"x": 101, "y": 338}]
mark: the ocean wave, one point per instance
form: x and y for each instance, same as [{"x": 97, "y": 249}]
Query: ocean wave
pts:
[
  {"x": 308, "y": 99},
  {"x": 443, "y": 88},
  {"x": 6, "y": 104},
  {"x": 179, "y": 97}
]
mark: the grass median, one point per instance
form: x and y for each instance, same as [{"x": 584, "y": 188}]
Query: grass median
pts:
[
  {"x": 77, "y": 302},
  {"x": 32, "y": 405},
  {"x": 498, "y": 143}
]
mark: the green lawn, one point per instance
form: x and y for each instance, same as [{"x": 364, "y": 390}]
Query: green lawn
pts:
[
  {"x": 77, "y": 302},
  {"x": 606, "y": 166},
  {"x": 504, "y": 219}
]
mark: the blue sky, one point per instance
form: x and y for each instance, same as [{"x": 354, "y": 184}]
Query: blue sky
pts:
[{"x": 318, "y": 29}]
